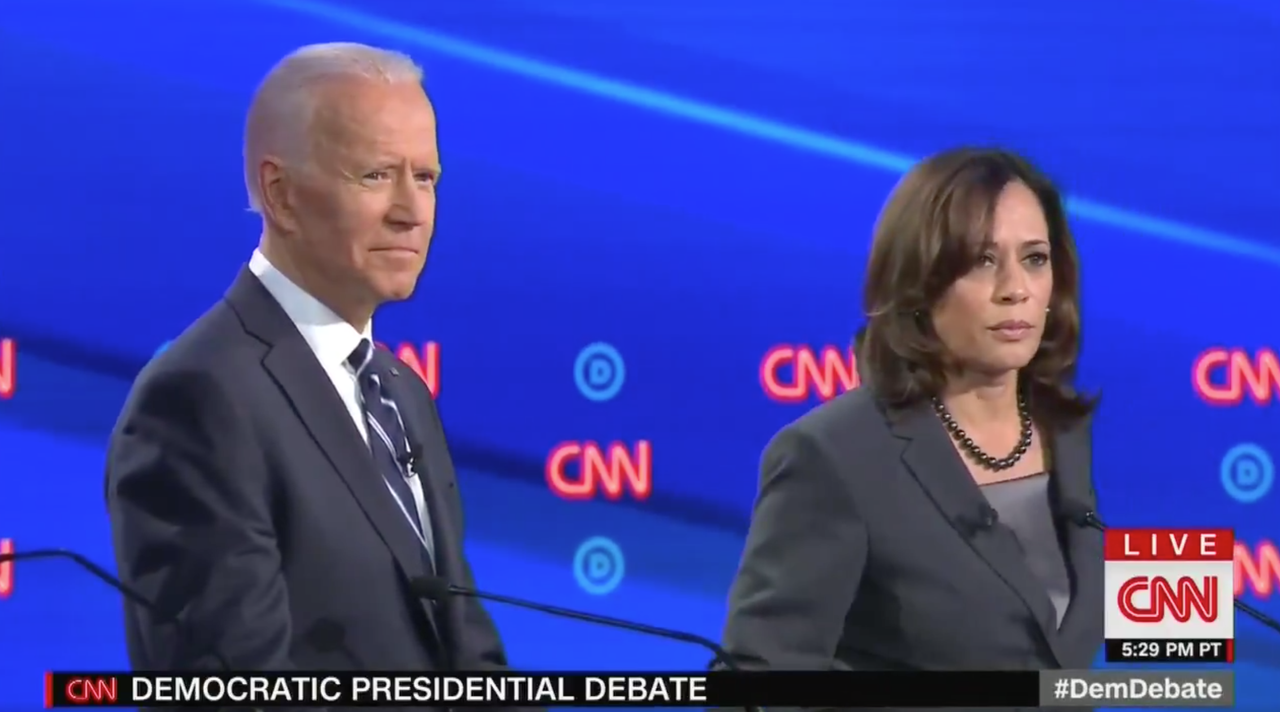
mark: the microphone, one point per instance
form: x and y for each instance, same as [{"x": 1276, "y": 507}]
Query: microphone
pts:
[
  {"x": 987, "y": 519},
  {"x": 409, "y": 459},
  {"x": 1083, "y": 516},
  {"x": 438, "y": 589},
  {"x": 125, "y": 590}
]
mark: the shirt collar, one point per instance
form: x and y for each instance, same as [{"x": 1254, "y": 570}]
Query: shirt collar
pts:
[{"x": 330, "y": 337}]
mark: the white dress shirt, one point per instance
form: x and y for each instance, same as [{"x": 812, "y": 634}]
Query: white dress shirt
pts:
[{"x": 332, "y": 340}]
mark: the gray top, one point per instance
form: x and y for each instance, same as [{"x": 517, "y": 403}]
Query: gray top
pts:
[{"x": 1023, "y": 505}]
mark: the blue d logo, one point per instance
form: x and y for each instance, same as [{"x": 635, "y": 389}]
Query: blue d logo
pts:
[
  {"x": 1247, "y": 473},
  {"x": 599, "y": 372}
]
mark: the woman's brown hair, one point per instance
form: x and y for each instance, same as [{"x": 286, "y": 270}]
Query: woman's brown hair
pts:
[{"x": 929, "y": 234}]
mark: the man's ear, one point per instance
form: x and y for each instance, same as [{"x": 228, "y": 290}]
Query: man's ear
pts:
[{"x": 277, "y": 189}]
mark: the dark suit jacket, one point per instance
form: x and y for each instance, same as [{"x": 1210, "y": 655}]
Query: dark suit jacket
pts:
[
  {"x": 244, "y": 501},
  {"x": 861, "y": 555}
]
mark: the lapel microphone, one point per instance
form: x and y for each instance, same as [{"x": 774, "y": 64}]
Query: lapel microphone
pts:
[
  {"x": 412, "y": 456},
  {"x": 409, "y": 460},
  {"x": 986, "y": 519}
]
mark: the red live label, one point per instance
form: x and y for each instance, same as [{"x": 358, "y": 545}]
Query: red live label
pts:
[{"x": 1169, "y": 545}]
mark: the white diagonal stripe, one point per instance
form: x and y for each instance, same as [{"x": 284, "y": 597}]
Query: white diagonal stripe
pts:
[
  {"x": 382, "y": 434},
  {"x": 412, "y": 481}
]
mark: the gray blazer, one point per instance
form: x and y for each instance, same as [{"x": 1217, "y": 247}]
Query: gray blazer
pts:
[{"x": 863, "y": 554}]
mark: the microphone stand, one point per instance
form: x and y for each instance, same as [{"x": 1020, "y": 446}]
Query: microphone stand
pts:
[
  {"x": 437, "y": 589},
  {"x": 125, "y": 590}
]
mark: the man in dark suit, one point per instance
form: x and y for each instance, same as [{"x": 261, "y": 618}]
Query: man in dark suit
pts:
[{"x": 275, "y": 482}]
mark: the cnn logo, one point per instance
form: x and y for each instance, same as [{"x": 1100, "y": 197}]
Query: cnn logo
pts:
[
  {"x": 8, "y": 368},
  {"x": 6, "y": 569},
  {"x": 1150, "y": 599},
  {"x": 1225, "y": 377},
  {"x": 1169, "y": 584},
  {"x": 584, "y": 470},
  {"x": 1257, "y": 570},
  {"x": 794, "y": 374},
  {"x": 91, "y": 691}
]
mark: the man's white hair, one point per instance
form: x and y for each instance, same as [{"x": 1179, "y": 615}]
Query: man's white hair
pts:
[{"x": 279, "y": 120}]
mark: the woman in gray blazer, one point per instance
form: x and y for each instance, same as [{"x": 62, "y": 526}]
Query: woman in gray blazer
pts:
[{"x": 916, "y": 523}]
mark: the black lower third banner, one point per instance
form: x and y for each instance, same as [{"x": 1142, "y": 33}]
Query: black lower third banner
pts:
[{"x": 719, "y": 689}]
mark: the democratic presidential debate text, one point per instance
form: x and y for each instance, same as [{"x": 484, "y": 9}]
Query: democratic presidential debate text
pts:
[
  {"x": 306, "y": 689},
  {"x": 1224, "y": 377},
  {"x": 8, "y": 368},
  {"x": 249, "y": 689},
  {"x": 794, "y": 374},
  {"x": 580, "y": 470},
  {"x": 1169, "y": 595}
]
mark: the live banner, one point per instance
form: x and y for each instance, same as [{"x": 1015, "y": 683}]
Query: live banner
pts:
[{"x": 727, "y": 689}]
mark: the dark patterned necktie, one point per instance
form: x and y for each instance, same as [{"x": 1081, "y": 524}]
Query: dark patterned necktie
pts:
[{"x": 387, "y": 441}]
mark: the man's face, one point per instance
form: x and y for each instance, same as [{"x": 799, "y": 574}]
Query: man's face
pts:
[{"x": 365, "y": 206}]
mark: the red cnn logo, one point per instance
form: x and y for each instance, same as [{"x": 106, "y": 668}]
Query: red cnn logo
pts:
[
  {"x": 91, "y": 690},
  {"x": 1163, "y": 597},
  {"x": 1169, "y": 584},
  {"x": 1260, "y": 573},
  {"x": 6, "y": 569},
  {"x": 8, "y": 367},
  {"x": 793, "y": 374},
  {"x": 425, "y": 362},
  {"x": 1224, "y": 376},
  {"x": 601, "y": 469}
]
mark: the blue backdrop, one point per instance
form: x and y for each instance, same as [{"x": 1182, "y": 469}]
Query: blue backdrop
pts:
[{"x": 690, "y": 183}]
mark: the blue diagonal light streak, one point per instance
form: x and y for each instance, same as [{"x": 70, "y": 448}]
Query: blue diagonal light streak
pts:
[{"x": 746, "y": 124}]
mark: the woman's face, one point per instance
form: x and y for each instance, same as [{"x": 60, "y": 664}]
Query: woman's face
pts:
[{"x": 992, "y": 319}]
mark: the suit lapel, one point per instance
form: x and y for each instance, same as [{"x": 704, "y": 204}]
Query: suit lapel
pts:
[
  {"x": 1072, "y": 482},
  {"x": 934, "y": 462},
  {"x": 294, "y": 368}
]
